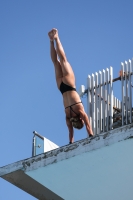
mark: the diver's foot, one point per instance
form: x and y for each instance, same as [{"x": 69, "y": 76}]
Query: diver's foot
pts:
[
  {"x": 53, "y": 34},
  {"x": 50, "y": 34}
]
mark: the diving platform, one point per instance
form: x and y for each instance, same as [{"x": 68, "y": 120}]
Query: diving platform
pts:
[{"x": 92, "y": 168}]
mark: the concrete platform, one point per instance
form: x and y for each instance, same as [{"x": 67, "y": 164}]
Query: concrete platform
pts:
[{"x": 97, "y": 168}]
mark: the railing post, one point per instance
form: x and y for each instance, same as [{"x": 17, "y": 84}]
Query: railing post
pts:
[
  {"x": 107, "y": 86},
  {"x": 103, "y": 103},
  {"x": 122, "y": 88},
  {"x": 34, "y": 145},
  {"x": 111, "y": 98},
  {"x": 100, "y": 101},
  {"x": 126, "y": 91},
  {"x": 89, "y": 103},
  {"x": 119, "y": 103},
  {"x": 96, "y": 101},
  {"x": 130, "y": 89},
  {"x": 93, "y": 104}
]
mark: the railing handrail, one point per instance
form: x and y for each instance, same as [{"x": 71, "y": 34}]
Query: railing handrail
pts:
[
  {"x": 37, "y": 134},
  {"x": 113, "y": 80}
]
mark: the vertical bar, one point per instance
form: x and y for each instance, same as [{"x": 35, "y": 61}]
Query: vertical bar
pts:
[
  {"x": 111, "y": 97},
  {"x": 105, "y": 109},
  {"x": 126, "y": 89},
  {"x": 130, "y": 90},
  {"x": 132, "y": 83},
  {"x": 107, "y": 83},
  {"x": 93, "y": 104},
  {"x": 100, "y": 101},
  {"x": 96, "y": 101},
  {"x": 119, "y": 104},
  {"x": 89, "y": 110},
  {"x": 115, "y": 102},
  {"x": 103, "y": 102},
  {"x": 34, "y": 146},
  {"x": 122, "y": 88},
  {"x": 109, "y": 111}
]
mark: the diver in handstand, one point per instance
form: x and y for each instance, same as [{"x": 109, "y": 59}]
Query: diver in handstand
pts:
[{"x": 74, "y": 110}]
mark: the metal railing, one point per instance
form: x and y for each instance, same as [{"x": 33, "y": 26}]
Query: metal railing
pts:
[
  {"x": 37, "y": 144},
  {"x": 41, "y": 144},
  {"x": 105, "y": 111}
]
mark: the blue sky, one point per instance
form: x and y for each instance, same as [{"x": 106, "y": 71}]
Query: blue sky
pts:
[{"x": 95, "y": 35}]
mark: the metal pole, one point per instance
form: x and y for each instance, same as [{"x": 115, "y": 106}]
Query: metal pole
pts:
[{"x": 34, "y": 146}]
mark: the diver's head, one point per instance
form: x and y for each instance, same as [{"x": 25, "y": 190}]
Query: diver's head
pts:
[{"x": 77, "y": 122}]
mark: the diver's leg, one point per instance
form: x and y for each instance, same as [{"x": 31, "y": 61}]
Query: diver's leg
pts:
[
  {"x": 68, "y": 75},
  {"x": 58, "y": 69}
]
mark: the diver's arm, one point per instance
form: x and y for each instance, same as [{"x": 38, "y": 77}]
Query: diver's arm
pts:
[
  {"x": 71, "y": 130},
  {"x": 85, "y": 118}
]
